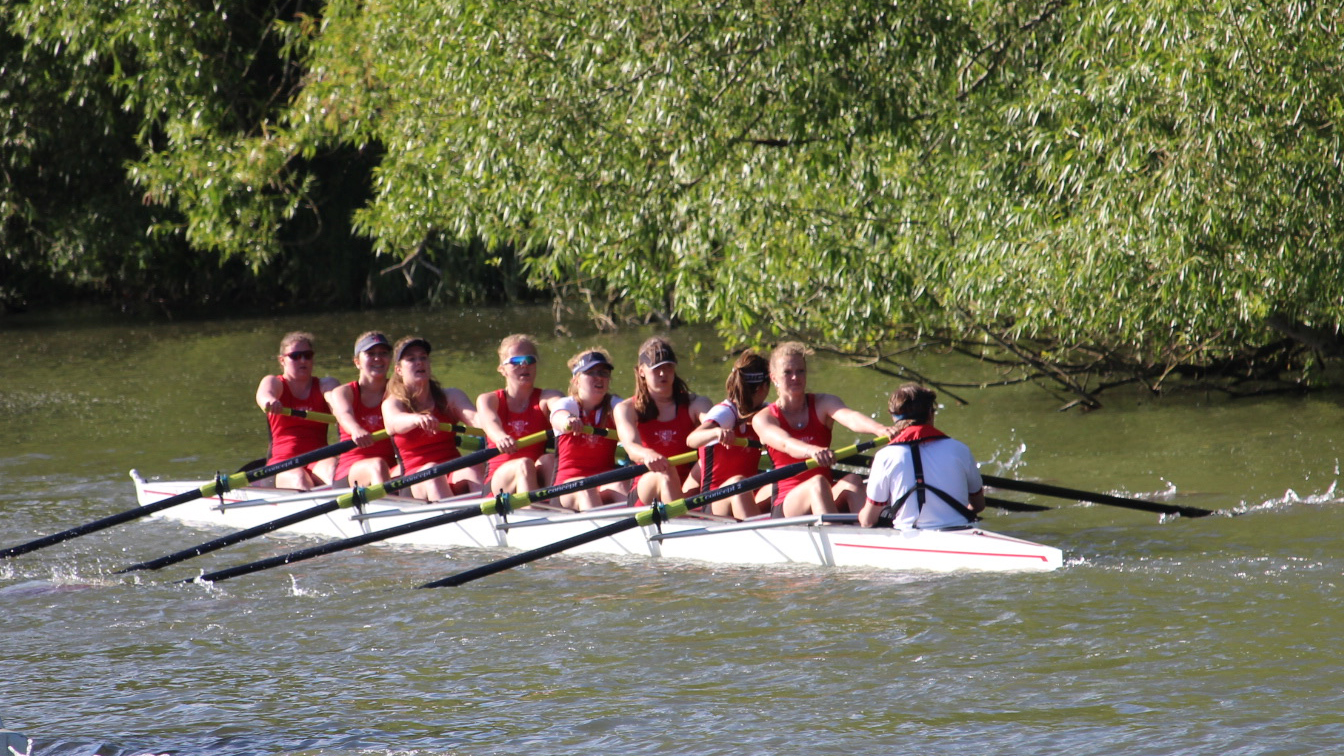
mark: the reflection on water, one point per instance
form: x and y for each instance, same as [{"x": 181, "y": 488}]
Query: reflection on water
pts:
[{"x": 1215, "y": 635}]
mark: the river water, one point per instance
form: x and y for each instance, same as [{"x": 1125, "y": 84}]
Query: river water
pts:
[{"x": 1216, "y": 635}]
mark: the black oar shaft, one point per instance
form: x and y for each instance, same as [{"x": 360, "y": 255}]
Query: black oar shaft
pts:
[
  {"x": 674, "y": 509},
  {"x": 334, "y": 546},
  {"x": 1043, "y": 489},
  {"x": 487, "y": 507},
  {"x": 370, "y": 494},
  {"x": 232, "y": 538},
  {"x": 228, "y": 483},
  {"x": 619, "y": 526}
]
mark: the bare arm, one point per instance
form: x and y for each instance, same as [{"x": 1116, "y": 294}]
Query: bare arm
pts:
[
  {"x": 834, "y": 408},
  {"x": 268, "y": 393},
  {"x": 487, "y": 419},
  {"x": 399, "y": 419},
  {"x": 461, "y": 405},
  {"x": 775, "y": 436},
  {"x": 627, "y": 429},
  {"x": 342, "y": 401}
]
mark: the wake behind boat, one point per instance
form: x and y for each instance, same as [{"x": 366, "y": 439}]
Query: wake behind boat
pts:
[{"x": 829, "y": 540}]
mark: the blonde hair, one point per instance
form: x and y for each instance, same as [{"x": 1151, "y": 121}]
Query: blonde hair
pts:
[
  {"x": 294, "y": 337},
  {"x": 789, "y": 349},
  {"x": 514, "y": 340}
]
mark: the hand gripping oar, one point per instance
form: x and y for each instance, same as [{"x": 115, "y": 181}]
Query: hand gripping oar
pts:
[
  {"x": 653, "y": 514},
  {"x": 221, "y": 484},
  {"x": 492, "y": 505},
  {"x": 356, "y": 496},
  {"x": 1009, "y": 484},
  {"x": 475, "y": 434}
]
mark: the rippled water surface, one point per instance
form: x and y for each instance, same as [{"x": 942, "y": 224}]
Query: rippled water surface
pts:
[{"x": 1217, "y": 635}]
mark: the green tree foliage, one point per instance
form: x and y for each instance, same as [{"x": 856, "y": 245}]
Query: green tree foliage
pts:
[{"x": 1137, "y": 188}]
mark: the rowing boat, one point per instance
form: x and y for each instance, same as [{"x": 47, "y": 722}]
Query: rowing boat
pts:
[{"x": 829, "y": 540}]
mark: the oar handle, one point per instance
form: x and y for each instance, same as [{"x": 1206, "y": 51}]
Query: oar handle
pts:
[
  {"x": 605, "y": 432},
  {"x": 329, "y": 419},
  {"x": 443, "y": 468},
  {"x": 681, "y": 506}
]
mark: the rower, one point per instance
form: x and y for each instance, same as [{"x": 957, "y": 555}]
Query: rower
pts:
[
  {"x": 582, "y": 454},
  {"x": 358, "y": 407},
  {"x": 517, "y": 410},
  {"x": 296, "y": 388},
  {"x": 415, "y": 411},
  {"x": 797, "y": 426},
  {"x": 723, "y": 462},
  {"x": 655, "y": 423},
  {"x": 924, "y": 479}
]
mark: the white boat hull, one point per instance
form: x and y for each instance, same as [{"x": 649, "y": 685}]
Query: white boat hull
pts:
[{"x": 802, "y": 541}]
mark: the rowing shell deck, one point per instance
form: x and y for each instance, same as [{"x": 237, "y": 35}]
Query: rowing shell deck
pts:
[{"x": 795, "y": 540}]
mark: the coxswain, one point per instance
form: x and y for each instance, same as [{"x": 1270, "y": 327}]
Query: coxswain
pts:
[{"x": 924, "y": 479}]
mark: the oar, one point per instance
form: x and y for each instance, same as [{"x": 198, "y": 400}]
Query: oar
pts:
[
  {"x": 485, "y": 506},
  {"x": 1097, "y": 498},
  {"x": 1015, "y": 506},
  {"x": 358, "y": 496},
  {"x": 649, "y": 516},
  {"x": 221, "y": 484},
  {"x": 323, "y": 417}
]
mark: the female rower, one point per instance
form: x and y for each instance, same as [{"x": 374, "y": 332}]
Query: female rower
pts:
[
  {"x": 358, "y": 407},
  {"x": 951, "y": 491},
  {"x": 415, "y": 410},
  {"x": 296, "y": 388},
  {"x": 655, "y": 422},
  {"x": 721, "y": 461},
  {"x": 581, "y": 455},
  {"x": 797, "y": 426},
  {"x": 519, "y": 409}
]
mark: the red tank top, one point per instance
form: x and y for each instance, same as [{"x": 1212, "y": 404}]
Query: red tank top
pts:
[
  {"x": 371, "y": 420},
  {"x": 814, "y": 432},
  {"x": 292, "y": 436},
  {"x": 668, "y": 437},
  {"x": 520, "y": 424},
  {"x": 584, "y": 454},
  {"x": 721, "y": 462},
  {"x": 420, "y": 449}
]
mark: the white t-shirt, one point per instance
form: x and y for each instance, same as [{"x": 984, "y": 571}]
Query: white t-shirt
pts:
[
  {"x": 570, "y": 405},
  {"x": 948, "y": 465},
  {"x": 723, "y": 414}
]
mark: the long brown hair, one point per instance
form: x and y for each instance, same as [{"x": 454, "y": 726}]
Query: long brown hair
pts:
[
  {"x": 749, "y": 371},
  {"x": 397, "y": 388},
  {"x": 654, "y": 350}
]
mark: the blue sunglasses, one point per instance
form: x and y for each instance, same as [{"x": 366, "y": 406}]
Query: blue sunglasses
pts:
[{"x": 522, "y": 359}]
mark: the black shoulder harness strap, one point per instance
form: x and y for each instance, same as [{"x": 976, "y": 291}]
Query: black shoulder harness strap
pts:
[{"x": 888, "y": 514}]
